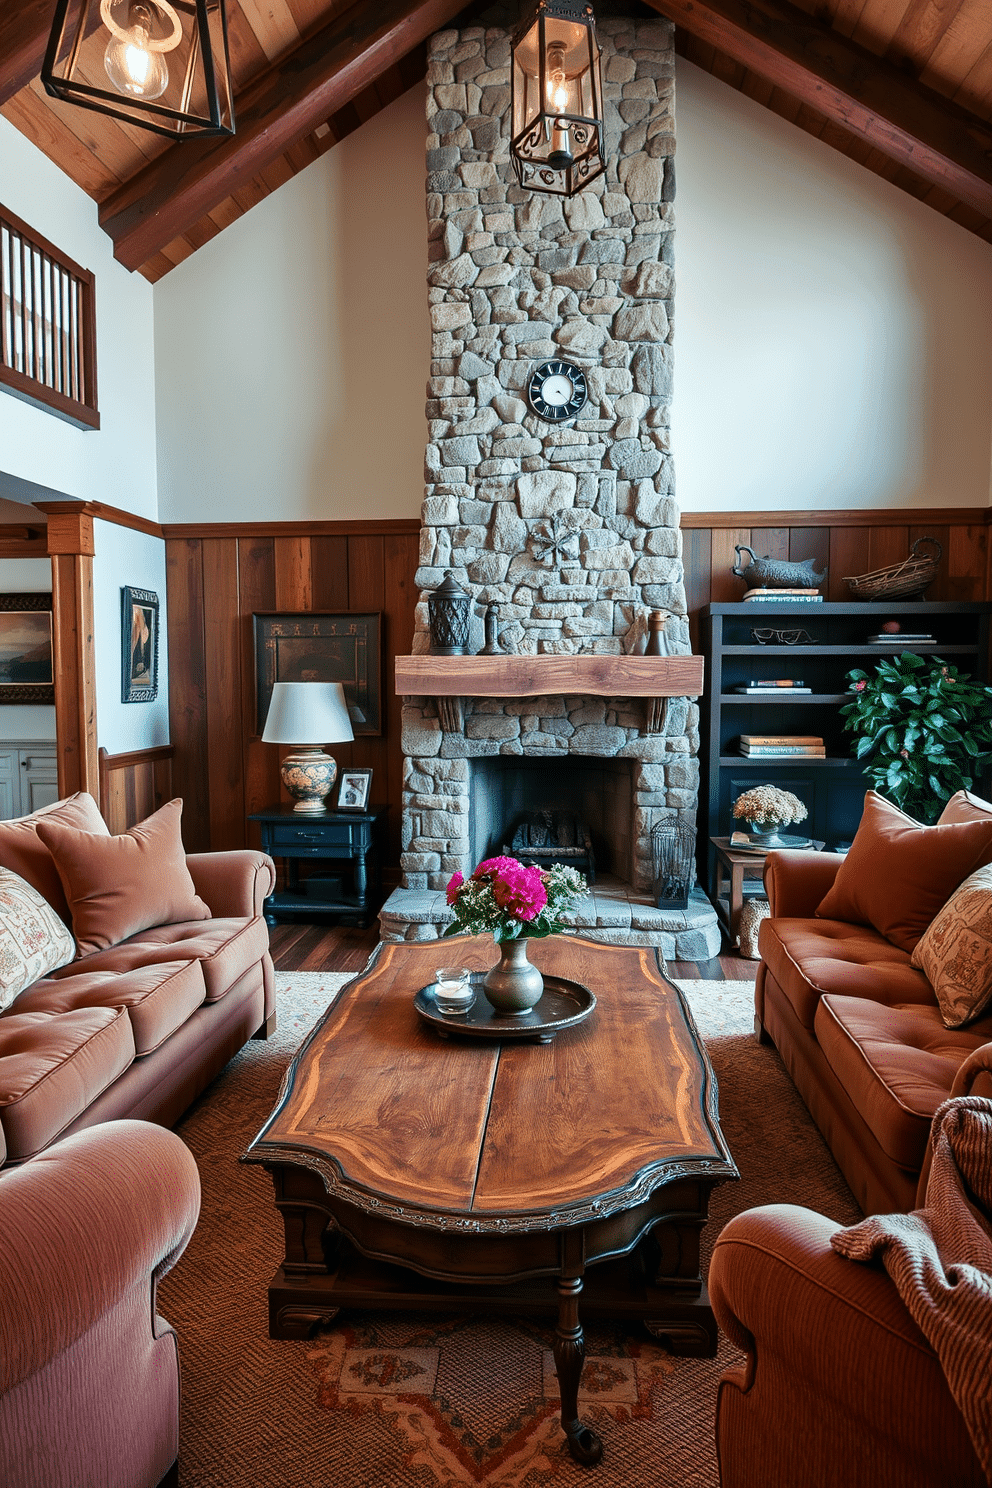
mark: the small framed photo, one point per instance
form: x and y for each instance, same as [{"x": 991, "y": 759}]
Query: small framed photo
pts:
[
  {"x": 139, "y": 645},
  {"x": 353, "y": 790}
]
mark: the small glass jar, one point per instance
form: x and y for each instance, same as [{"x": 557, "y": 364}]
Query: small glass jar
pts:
[{"x": 453, "y": 990}]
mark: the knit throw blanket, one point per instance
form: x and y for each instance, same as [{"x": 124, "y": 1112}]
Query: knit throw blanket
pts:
[{"x": 940, "y": 1258}]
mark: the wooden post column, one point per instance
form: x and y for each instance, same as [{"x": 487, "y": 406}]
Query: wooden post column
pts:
[{"x": 71, "y": 548}]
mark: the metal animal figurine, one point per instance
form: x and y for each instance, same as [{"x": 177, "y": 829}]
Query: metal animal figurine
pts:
[{"x": 776, "y": 573}]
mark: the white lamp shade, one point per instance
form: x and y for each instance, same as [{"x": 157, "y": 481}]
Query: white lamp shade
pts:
[{"x": 307, "y": 713}]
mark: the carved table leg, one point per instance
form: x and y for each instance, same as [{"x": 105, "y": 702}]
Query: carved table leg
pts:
[{"x": 570, "y": 1351}]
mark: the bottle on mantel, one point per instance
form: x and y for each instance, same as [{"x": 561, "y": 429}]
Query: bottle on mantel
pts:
[{"x": 657, "y": 642}]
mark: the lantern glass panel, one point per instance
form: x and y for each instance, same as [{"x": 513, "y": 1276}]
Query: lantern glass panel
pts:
[{"x": 95, "y": 59}]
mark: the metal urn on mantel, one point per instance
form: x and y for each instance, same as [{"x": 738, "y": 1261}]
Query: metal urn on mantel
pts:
[{"x": 449, "y": 610}]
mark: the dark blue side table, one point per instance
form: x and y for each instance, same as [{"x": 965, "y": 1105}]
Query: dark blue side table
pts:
[{"x": 352, "y": 838}]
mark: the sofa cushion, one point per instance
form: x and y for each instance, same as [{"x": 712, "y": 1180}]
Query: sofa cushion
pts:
[
  {"x": 810, "y": 957},
  {"x": 897, "y": 1065},
  {"x": 956, "y": 951},
  {"x": 963, "y": 806},
  {"x": 157, "y": 999},
  {"x": 22, "y": 850},
  {"x": 117, "y": 886},
  {"x": 897, "y": 874},
  {"x": 224, "y": 948},
  {"x": 33, "y": 940},
  {"x": 52, "y": 1067}
]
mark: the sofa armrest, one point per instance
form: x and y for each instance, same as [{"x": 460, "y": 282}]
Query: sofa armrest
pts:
[
  {"x": 233, "y": 883},
  {"x": 795, "y": 882},
  {"x": 839, "y": 1386},
  {"x": 973, "y": 1078},
  {"x": 82, "y": 1223}
]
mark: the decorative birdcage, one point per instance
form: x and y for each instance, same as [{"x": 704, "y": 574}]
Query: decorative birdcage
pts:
[{"x": 673, "y": 847}]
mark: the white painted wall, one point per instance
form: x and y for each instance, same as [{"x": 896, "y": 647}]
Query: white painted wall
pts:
[
  {"x": 292, "y": 351},
  {"x": 115, "y": 463},
  {"x": 29, "y": 721},
  {"x": 124, "y": 556},
  {"x": 833, "y": 335}
]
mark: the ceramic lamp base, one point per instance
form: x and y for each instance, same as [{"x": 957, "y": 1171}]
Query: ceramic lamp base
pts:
[{"x": 309, "y": 775}]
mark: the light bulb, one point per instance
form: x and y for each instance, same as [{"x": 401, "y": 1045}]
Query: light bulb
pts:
[
  {"x": 557, "y": 84},
  {"x": 132, "y": 65}
]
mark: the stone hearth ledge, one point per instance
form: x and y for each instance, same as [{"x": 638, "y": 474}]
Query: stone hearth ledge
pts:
[{"x": 612, "y": 912}]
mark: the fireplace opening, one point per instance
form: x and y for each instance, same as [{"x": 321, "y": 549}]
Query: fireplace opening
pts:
[{"x": 507, "y": 792}]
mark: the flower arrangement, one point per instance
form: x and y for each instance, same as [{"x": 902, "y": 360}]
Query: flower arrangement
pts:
[
  {"x": 769, "y": 805},
  {"x": 926, "y": 726},
  {"x": 512, "y": 900}
]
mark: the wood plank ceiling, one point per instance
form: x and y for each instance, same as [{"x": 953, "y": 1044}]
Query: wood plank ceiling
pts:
[{"x": 904, "y": 87}]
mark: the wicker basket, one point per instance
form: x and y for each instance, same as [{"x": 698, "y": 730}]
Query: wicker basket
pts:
[{"x": 905, "y": 580}]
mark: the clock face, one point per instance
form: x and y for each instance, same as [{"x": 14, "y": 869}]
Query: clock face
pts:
[{"x": 557, "y": 391}]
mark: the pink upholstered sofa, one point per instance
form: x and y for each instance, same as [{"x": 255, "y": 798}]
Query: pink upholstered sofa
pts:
[
  {"x": 89, "y": 1374},
  {"x": 138, "y": 1028}
]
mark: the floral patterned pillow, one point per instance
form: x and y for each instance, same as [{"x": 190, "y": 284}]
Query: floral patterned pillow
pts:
[
  {"x": 33, "y": 940},
  {"x": 955, "y": 954}
]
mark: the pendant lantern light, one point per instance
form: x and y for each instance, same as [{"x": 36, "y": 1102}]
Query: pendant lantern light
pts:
[
  {"x": 162, "y": 64},
  {"x": 557, "y": 99}
]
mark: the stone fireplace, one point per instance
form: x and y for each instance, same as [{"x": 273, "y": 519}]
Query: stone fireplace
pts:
[{"x": 572, "y": 530}]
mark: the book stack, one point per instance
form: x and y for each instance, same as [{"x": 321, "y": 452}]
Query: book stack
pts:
[
  {"x": 780, "y": 746},
  {"x": 793, "y": 596},
  {"x": 771, "y": 685},
  {"x": 902, "y": 638}
]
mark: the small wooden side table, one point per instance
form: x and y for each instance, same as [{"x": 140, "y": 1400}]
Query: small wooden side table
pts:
[
  {"x": 350, "y": 837},
  {"x": 738, "y": 866}
]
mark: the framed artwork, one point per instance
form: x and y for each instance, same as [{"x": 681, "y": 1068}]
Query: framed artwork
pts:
[
  {"x": 354, "y": 787},
  {"x": 139, "y": 645},
  {"x": 318, "y": 646},
  {"x": 26, "y": 667}
]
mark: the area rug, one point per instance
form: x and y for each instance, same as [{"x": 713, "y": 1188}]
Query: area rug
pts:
[{"x": 415, "y": 1401}]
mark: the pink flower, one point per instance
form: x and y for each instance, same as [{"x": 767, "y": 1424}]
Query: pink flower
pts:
[
  {"x": 520, "y": 891},
  {"x": 860, "y": 686},
  {"x": 904, "y": 753},
  {"x": 454, "y": 884},
  {"x": 493, "y": 867}
]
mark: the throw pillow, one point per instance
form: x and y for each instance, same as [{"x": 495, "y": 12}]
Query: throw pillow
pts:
[
  {"x": 33, "y": 940},
  {"x": 955, "y": 954},
  {"x": 117, "y": 886},
  {"x": 22, "y": 850},
  {"x": 963, "y": 806},
  {"x": 898, "y": 875}
]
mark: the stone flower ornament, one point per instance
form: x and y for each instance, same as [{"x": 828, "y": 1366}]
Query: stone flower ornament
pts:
[{"x": 552, "y": 544}]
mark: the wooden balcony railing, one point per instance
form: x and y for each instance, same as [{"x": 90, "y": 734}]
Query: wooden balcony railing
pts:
[{"x": 47, "y": 325}]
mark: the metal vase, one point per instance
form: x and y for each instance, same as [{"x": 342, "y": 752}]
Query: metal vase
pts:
[{"x": 514, "y": 985}]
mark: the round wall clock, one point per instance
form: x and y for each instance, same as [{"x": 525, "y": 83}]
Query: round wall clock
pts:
[{"x": 557, "y": 391}]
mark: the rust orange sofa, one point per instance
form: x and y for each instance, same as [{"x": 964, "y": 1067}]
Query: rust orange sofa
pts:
[
  {"x": 137, "y": 1028},
  {"x": 839, "y": 1388},
  {"x": 859, "y": 1028}
]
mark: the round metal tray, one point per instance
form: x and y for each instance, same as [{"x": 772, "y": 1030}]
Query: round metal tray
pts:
[{"x": 563, "y": 1004}]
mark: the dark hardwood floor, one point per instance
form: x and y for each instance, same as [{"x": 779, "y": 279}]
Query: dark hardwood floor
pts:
[{"x": 321, "y": 946}]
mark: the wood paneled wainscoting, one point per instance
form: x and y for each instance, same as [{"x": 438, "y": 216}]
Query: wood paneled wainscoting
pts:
[
  {"x": 135, "y": 784},
  {"x": 218, "y": 577}
]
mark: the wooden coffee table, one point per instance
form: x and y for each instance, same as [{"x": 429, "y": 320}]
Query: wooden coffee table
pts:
[{"x": 415, "y": 1172}]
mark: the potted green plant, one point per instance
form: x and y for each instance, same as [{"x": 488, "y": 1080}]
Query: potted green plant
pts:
[{"x": 924, "y": 728}]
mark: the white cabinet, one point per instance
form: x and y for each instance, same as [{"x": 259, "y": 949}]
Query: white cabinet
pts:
[{"x": 28, "y": 778}]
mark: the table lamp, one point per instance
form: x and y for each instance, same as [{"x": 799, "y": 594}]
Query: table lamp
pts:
[{"x": 307, "y": 714}]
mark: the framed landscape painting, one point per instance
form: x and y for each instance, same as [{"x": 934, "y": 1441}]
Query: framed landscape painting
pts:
[
  {"x": 139, "y": 645},
  {"x": 319, "y": 646},
  {"x": 26, "y": 667}
]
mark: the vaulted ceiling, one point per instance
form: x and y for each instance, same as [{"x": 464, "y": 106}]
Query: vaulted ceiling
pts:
[{"x": 902, "y": 86}]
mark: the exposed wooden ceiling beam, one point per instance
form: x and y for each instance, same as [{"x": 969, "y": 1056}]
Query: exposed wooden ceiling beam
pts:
[
  {"x": 323, "y": 74},
  {"x": 24, "y": 31},
  {"x": 935, "y": 138}
]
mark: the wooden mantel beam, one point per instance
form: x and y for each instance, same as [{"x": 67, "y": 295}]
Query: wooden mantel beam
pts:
[
  {"x": 326, "y": 71},
  {"x": 24, "y": 31},
  {"x": 935, "y": 138}
]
